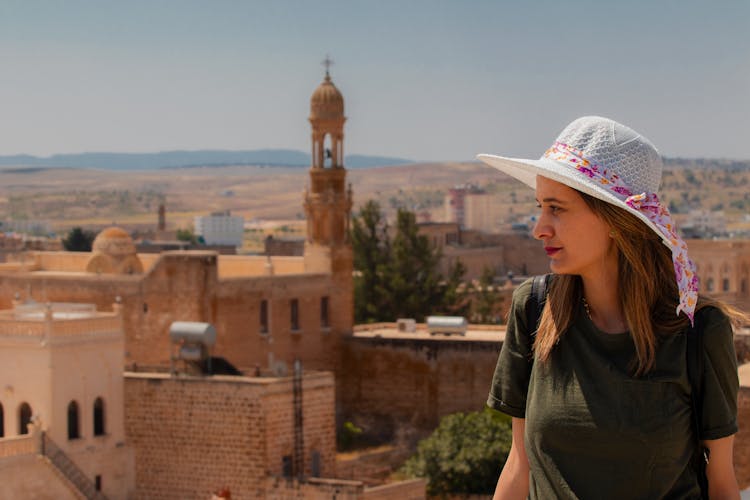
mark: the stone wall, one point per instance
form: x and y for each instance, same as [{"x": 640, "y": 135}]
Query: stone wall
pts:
[
  {"x": 194, "y": 435},
  {"x": 414, "y": 381},
  {"x": 185, "y": 286}
]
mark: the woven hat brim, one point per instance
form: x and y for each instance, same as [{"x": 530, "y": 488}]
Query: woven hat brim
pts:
[{"x": 526, "y": 170}]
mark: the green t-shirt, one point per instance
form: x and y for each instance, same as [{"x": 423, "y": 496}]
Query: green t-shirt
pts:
[{"x": 595, "y": 431}]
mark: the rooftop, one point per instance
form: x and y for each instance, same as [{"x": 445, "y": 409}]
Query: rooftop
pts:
[{"x": 474, "y": 333}]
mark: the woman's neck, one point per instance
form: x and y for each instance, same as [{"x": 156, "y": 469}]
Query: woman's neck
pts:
[{"x": 602, "y": 301}]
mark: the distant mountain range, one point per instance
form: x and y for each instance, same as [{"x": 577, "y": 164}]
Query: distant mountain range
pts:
[{"x": 174, "y": 159}]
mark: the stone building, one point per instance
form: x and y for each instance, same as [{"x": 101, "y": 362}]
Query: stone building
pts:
[
  {"x": 267, "y": 310},
  {"x": 62, "y": 403},
  {"x": 503, "y": 253},
  {"x": 723, "y": 269}
]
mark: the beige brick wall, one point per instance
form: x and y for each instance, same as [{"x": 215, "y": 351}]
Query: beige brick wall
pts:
[
  {"x": 194, "y": 435},
  {"x": 414, "y": 381}
]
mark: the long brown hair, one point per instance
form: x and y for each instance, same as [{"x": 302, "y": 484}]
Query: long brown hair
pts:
[{"x": 648, "y": 290}]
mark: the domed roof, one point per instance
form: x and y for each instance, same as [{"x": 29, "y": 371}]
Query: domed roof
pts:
[
  {"x": 326, "y": 102},
  {"x": 113, "y": 241}
]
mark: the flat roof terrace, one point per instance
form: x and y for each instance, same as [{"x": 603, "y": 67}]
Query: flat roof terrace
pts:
[{"x": 474, "y": 333}]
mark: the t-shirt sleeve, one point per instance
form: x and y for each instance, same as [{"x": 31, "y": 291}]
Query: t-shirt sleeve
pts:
[
  {"x": 720, "y": 379},
  {"x": 510, "y": 382}
]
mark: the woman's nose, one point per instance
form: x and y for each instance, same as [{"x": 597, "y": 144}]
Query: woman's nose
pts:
[{"x": 542, "y": 229}]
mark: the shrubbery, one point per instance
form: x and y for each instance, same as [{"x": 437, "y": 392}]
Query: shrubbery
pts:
[{"x": 464, "y": 455}]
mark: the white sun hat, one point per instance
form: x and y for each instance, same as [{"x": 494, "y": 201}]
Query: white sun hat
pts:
[{"x": 616, "y": 164}]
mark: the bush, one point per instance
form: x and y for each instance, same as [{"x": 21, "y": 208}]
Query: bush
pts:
[
  {"x": 348, "y": 436},
  {"x": 464, "y": 455}
]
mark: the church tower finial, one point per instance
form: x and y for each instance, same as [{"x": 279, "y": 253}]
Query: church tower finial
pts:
[{"x": 327, "y": 62}]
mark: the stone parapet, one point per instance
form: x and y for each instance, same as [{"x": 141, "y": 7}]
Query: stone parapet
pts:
[{"x": 18, "y": 445}]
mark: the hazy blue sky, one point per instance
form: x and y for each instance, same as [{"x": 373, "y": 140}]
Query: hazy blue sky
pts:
[{"x": 427, "y": 80}]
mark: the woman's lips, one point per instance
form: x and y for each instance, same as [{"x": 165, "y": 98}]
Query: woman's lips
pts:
[{"x": 552, "y": 250}]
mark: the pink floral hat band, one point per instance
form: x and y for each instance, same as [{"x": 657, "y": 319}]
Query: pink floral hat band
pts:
[{"x": 647, "y": 204}]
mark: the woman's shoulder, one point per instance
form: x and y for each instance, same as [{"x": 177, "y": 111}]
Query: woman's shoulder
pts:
[
  {"x": 711, "y": 317},
  {"x": 523, "y": 291},
  {"x": 716, "y": 327}
]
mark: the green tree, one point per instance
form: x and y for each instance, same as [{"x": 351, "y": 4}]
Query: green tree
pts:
[
  {"x": 398, "y": 276},
  {"x": 78, "y": 240},
  {"x": 371, "y": 247},
  {"x": 455, "y": 298},
  {"x": 186, "y": 235},
  {"x": 485, "y": 297},
  {"x": 464, "y": 455},
  {"x": 413, "y": 281}
]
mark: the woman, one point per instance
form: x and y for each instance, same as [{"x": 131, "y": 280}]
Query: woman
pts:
[{"x": 600, "y": 396}]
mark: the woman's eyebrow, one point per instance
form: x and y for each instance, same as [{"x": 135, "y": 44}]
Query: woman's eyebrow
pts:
[{"x": 553, "y": 200}]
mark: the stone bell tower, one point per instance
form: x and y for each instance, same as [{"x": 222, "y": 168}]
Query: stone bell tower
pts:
[{"x": 328, "y": 200}]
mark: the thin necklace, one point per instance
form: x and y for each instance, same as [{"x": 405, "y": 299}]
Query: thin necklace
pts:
[{"x": 587, "y": 308}]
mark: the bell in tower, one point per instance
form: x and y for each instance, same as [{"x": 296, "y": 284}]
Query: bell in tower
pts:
[{"x": 327, "y": 120}]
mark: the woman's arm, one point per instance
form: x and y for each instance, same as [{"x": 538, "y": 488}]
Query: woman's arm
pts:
[
  {"x": 722, "y": 484},
  {"x": 514, "y": 478}
]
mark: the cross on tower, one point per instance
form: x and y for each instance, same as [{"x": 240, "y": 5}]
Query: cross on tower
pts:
[{"x": 327, "y": 62}]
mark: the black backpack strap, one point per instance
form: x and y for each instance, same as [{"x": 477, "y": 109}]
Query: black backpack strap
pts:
[
  {"x": 695, "y": 376},
  {"x": 535, "y": 304}
]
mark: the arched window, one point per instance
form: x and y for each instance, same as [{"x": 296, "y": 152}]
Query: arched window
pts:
[
  {"x": 327, "y": 151},
  {"x": 24, "y": 418},
  {"x": 99, "y": 417},
  {"x": 710, "y": 285},
  {"x": 2, "y": 422},
  {"x": 725, "y": 285},
  {"x": 74, "y": 429}
]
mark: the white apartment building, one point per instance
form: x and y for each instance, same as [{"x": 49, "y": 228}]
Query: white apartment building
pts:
[{"x": 220, "y": 228}]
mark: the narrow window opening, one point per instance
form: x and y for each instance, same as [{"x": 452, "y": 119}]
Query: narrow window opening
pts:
[
  {"x": 24, "y": 418},
  {"x": 2, "y": 422},
  {"x": 98, "y": 482},
  {"x": 327, "y": 151},
  {"x": 145, "y": 308},
  {"x": 99, "y": 429},
  {"x": 725, "y": 284},
  {"x": 74, "y": 431},
  {"x": 294, "y": 314}
]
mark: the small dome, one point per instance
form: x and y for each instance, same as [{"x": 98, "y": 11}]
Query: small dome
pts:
[
  {"x": 326, "y": 102},
  {"x": 113, "y": 241}
]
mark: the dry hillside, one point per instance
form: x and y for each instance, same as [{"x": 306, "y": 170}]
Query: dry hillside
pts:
[{"x": 69, "y": 197}]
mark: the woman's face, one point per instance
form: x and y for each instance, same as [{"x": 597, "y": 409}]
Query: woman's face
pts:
[{"x": 575, "y": 239}]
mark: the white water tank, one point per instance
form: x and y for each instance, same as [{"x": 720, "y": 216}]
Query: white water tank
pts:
[{"x": 447, "y": 325}]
